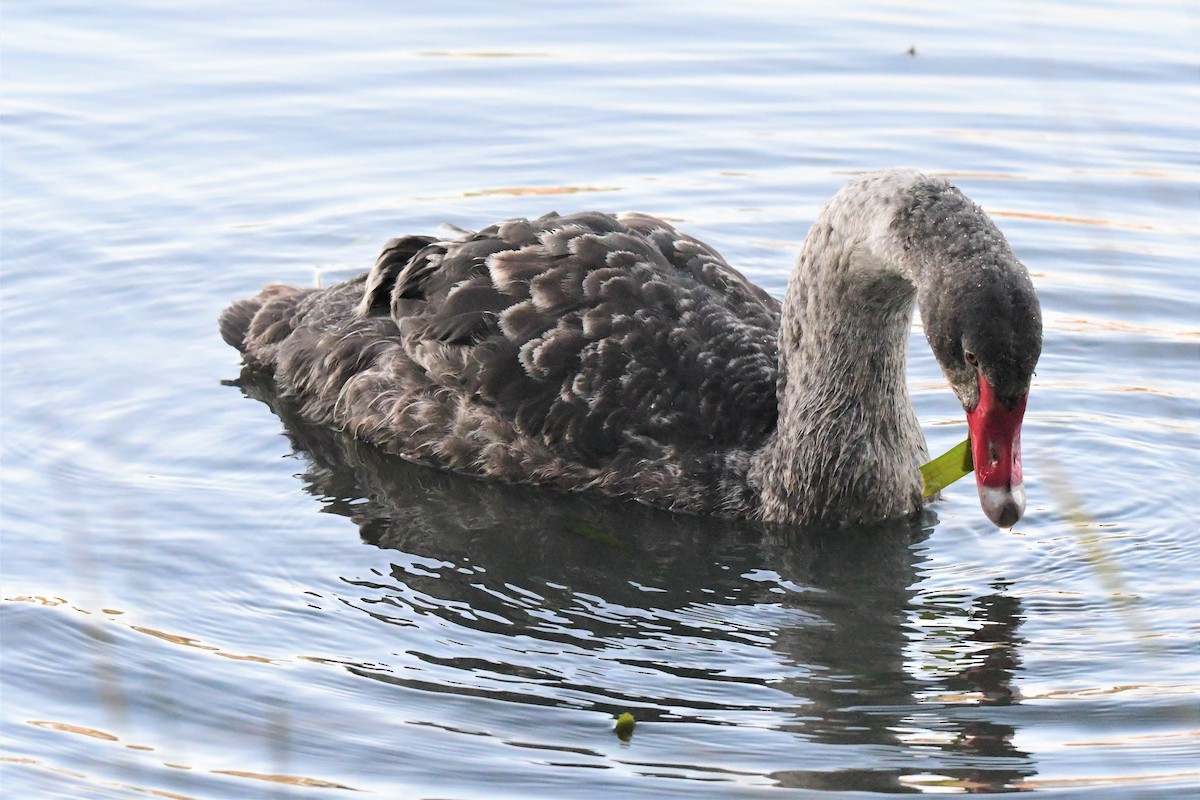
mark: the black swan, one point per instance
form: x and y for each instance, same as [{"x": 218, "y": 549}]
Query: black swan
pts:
[{"x": 614, "y": 354}]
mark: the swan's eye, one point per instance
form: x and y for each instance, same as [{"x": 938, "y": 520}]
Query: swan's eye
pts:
[{"x": 970, "y": 357}]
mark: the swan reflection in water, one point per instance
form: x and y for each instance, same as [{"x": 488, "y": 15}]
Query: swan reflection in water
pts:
[{"x": 681, "y": 599}]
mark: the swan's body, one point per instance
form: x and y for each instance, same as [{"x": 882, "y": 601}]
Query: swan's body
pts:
[{"x": 615, "y": 354}]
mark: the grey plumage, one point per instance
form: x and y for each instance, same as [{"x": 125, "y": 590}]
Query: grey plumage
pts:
[{"x": 617, "y": 355}]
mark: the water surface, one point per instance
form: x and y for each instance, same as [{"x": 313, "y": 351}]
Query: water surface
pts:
[{"x": 202, "y": 601}]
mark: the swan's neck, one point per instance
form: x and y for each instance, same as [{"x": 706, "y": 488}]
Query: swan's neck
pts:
[{"x": 848, "y": 445}]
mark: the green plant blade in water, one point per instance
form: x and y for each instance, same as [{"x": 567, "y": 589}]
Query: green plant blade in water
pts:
[{"x": 946, "y": 468}]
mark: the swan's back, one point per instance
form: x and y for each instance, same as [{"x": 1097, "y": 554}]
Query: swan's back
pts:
[{"x": 586, "y": 351}]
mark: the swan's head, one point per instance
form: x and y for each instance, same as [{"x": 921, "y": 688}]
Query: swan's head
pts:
[
  {"x": 988, "y": 347},
  {"x": 984, "y": 324},
  {"x": 994, "y": 388}
]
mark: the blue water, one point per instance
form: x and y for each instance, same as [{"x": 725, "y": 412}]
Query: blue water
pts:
[{"x": 200, "y": 602}]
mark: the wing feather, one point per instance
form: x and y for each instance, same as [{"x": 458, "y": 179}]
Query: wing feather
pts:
[{"x": 589, "y": 331}]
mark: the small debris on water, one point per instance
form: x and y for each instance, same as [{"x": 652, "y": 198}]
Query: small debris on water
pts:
[{"x": 624, "y": 726}]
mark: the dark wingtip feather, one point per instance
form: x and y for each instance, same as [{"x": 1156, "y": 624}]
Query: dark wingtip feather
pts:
[{"x": 235, "y": 322}]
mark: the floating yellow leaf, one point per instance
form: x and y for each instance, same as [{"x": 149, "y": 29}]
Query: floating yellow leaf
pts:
[{"x": 624, "y": 726}]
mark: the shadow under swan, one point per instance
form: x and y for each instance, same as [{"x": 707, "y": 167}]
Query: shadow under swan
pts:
[{"x": 685, "y": 597}]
